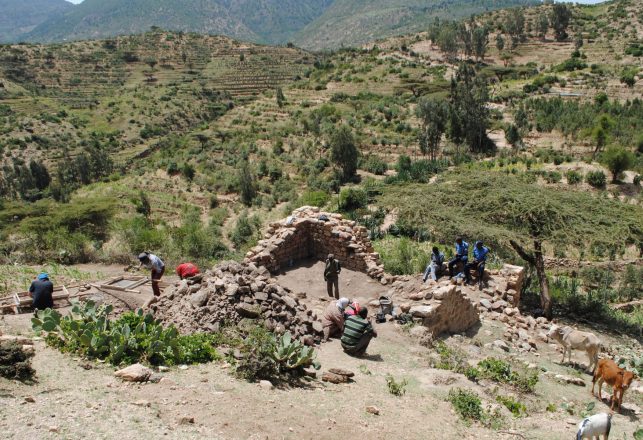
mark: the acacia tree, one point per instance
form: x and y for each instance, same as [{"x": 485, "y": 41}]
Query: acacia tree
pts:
[
  {"x": 433, "y": 115},
  {"x": 518, "y": 216},
  {"x": 618, "y": 159}
]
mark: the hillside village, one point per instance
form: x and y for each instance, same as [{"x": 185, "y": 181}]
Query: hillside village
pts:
[{"x": 518, "y": 128}]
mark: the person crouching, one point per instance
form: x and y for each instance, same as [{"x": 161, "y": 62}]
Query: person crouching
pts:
[{"x": 358, "y": 332}]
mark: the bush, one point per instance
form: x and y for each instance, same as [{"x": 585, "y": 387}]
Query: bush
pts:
[
  {"x": 314, "y": 198},
  {"x": 132, "y": 338},
  {"x": 15, "y": 363},
  {"x": 351, "y": 199},
  {"x": 245, "y": 230},
  {"x": 452, "y": 359},
  {"x": 394, "y": 387},
  {"x": 500, "y": 371},
  {"x": 573, "y": 177},
  {"x": 553, "y": 177},
  {"x": 596, "y": 179},
  {"x": 516, "y": 408},
  {"x": 466, "y": 403},
  {"x": 402, "y": 256},
  {"x": 374, "y": 164},
  {"x": 618, "y": 159}
]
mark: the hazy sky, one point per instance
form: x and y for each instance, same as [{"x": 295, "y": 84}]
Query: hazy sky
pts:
[{"x": 570, "y": 1}]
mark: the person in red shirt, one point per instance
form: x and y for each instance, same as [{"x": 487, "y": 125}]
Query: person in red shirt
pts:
[{"x": 187, "y": 270}]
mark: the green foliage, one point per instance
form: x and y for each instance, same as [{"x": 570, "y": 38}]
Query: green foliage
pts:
[
  {"x": 343, "y": 151},
  {"x": 466, "y": 403},
  {"x": 373, "y": 164},
  {"x": 198, "y": 348},
  {"x": 134, "y": 337},
  {"x": 396, "y": 388},
  {"x": 514, "y": 209},
  {"x": 573, "y": 177},
  {"x": 596, "y": 179},
  {"x": 416, "y": 171},
  {"x": 500, "y": 371},
  {"x": 314, "y": 198},
  {"x": 571, "y": 64},
  {"x": 433, "y": 115},
  {"x": 15, "y": 363},
  {"x": 265, "y": 356},
  {"x": 293, "y": 356},
  {"x": 451, "y": 359},
  {"x": 403, "y": 256},
  {"x": 247, "y": 183},
  {"x": 351, "y": 199},
  {"x": 559, "y": 19},
  {"x": 551, "y": 407},
  {"x": 638, "y": 434},
  {"x": 516, "y": 408},
  {"x": 618, "y": 159},
  {"x": 245, "y": 230}
]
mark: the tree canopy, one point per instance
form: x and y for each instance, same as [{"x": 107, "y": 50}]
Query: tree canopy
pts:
[{"x": 497, "y": 208}]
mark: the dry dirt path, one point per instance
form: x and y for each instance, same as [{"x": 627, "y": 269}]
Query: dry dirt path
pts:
[{"x": 72, "y": 402}]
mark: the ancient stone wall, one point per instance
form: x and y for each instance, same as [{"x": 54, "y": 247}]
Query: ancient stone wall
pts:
[{"x": 312, "y": 233}]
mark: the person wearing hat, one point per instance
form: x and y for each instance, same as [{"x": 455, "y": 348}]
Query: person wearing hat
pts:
[
  {"x": 480, "y": 252},
  {"x": 41, "y": 291},
  {"x": 331, "y": 275},
  {"x": 157, "y": 266}
]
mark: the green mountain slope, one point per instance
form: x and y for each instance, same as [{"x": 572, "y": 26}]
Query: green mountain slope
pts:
[
  {"x": 350, "y": 22},
  {"x": 267, "y": 21},
  {"x": 20, "y": 16}
]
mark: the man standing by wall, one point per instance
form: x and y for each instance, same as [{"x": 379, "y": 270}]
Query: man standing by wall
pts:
[{"x": 331, "y": 275}]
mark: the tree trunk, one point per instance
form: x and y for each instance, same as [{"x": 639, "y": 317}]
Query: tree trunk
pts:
[{"x": 538, "y": 262}]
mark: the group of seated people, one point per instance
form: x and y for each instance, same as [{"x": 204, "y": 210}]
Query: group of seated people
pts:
[
  {"x": 351, "y": 321},
  {"x": 435, "y": 267}
]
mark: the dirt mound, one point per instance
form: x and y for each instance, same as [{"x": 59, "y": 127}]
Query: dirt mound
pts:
[{"x": 234, "y": 293}]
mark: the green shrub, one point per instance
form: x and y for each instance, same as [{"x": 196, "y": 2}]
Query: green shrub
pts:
[
  {"x": 500, "y": 371},
  {"x": 394, "y": 387},
  {"x": 374, "y": 164},
  {"x": 597, "y": 179},
  {"x": 573, "y": 177},
  {"x": 518, "y": 409},
  {"x": 402, "y": 256},
  {"x": 87, "y": 331},
  {"x": 553, "y": 177},
  {"x": 351, "y": 199},
  {"x": 452, "y": 359},
  {"x": 466, "y": 403},
  {"x": 314, "y": 198},
  {"x": 197, "y": 348},
  {"x": 245, "y": 230}
]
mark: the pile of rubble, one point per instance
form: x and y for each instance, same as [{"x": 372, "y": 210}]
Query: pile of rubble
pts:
[
  {"x": 311, "y": 233},
  {"x": 231, "y": 293}
]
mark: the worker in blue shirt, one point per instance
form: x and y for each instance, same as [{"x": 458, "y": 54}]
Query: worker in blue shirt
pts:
[
  {"x": 461, "y": 254},
  {"x": 480, "y": 252}
]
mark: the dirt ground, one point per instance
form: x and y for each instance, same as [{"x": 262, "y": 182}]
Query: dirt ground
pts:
[{"x": 73, "y": 402}]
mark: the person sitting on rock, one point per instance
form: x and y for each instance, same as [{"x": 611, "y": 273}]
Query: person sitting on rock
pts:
[
  {"x": 480, "y": 252},
  {"x": 358, "y": 332},
  {"x": 187, "y": 270},
  {"x": 41, "y": 292},
  {"x": 331, "y": 276},
  {"x": 434, "y": 268},
  {"x": 461, "y": 255},
  {"x": 333, "y": 319}
]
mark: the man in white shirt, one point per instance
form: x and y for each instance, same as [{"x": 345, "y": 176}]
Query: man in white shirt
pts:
[{"x": 157, "y": 266}]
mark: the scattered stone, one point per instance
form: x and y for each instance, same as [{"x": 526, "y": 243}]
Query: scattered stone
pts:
[
  {"x": 144, "y": 403},
  {"x": 373, "y": 410},
  {"x": 163, "y": 369},
  {"x": 500, "y": 344},
  {"x": 134, "y": 373},
  {"x": 54, "y": 428},
  {"x": 486, "y": 304},
  {"x": 186, "y": 420},
  {"x": 266, "y": 385},
  {"x": 183, "y": 367},
  {"x": 342, "y": 372},
  {"x": 30, "y": 399},
  {"x": 571, "y": 380}
]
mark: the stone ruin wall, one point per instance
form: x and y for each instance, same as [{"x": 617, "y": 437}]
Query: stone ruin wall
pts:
[
  {"x": 306, "y": 236},
  {"x": 234, "y": 292}
]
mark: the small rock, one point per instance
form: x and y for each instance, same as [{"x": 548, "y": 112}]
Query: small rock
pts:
[
  {"x": 486, "y": 303},
  {"x": 30, "y": 399},
  {"x": 186, "y": 420},
  {"x": 500, "y": 344},
  {"x": 134, "y": 373},
  {"x": 421, "y": 311},
  {"x": 266, "y": 384},
  {"x": 54, "y": 429},
  {"x": 373, "y": 410},
  {"x": 183, "y": 367},
  {"x": 144, "y": 403},
  {"x": 163, "y": 369}
]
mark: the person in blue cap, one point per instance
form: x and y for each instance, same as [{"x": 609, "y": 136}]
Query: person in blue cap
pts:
[
  {"x": 461, "y": 254},
  {"x": 480, "y": 252},
  {"x": 41, "y": 292}
]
